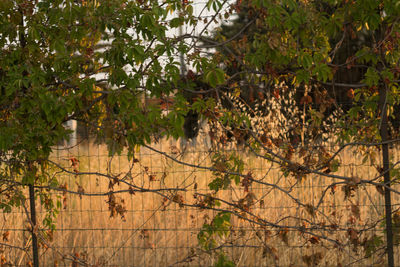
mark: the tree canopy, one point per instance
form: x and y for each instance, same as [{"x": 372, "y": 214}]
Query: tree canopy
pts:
[{"x": 326, "y": 52}]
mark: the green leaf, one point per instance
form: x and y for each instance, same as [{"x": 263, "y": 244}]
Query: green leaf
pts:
[
  {"x": 147, "y": 20},
  {"x": 371, "y": 77},
  {"x": 176, "y": 22},
  {"x": 224, "y": 262},
  {"x": 215, "y": 77}
]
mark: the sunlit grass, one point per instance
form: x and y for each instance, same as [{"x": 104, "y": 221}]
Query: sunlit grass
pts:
[{"x": 155, "y": 232}]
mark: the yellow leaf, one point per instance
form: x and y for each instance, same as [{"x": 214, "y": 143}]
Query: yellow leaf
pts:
[
  {"x": 137, "y": 148},
  {"x": 236, "y": 92}
]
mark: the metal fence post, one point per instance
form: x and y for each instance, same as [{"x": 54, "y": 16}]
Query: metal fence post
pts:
[
  {"x": 386, "y": 173},
  {"x": 35, "y": 249}
]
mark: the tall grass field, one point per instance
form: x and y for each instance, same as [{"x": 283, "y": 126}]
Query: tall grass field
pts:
[{"x": 146, "y": 229}]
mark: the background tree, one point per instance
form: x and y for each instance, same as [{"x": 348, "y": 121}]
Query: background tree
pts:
[{"x": 326, "y": 95}]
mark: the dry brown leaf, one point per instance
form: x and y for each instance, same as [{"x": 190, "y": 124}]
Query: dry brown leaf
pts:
[{"x": 6, "y": 235}]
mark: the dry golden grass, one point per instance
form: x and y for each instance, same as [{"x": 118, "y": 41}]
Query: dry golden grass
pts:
[{"x": 158, "y": 233}]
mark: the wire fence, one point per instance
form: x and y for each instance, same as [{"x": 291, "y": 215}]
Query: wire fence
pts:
[
  {"x": 145, "y": 212},
  {"x": 151, "y": 209}
]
